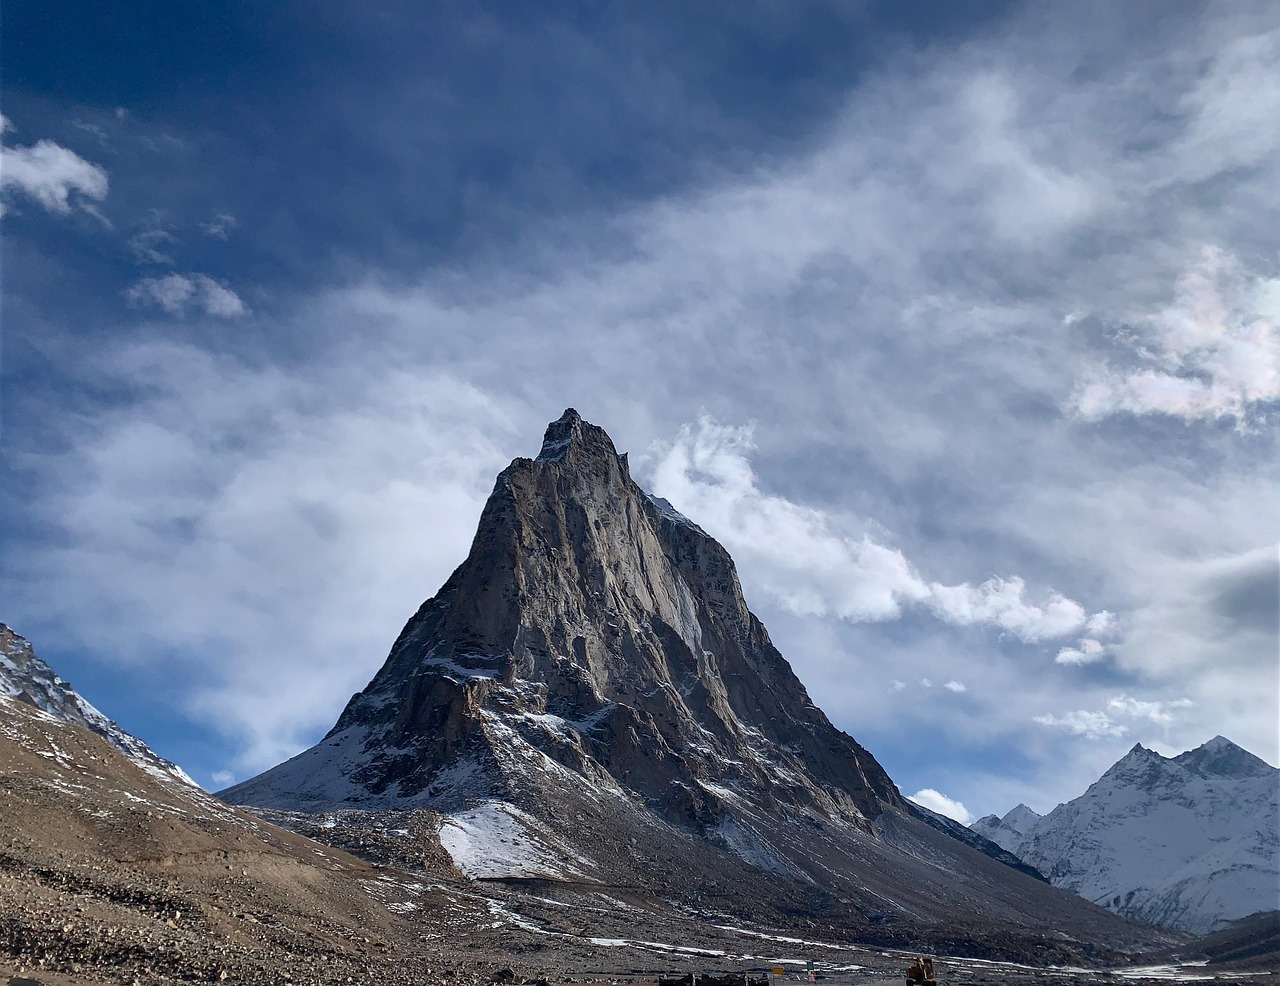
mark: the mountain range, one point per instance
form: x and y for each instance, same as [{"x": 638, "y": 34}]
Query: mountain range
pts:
[{"x": 1191, "y": 842}]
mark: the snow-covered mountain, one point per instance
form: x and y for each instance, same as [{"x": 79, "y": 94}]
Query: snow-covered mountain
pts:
[
  {"x": 589, "y": 699},
  {"x": 1190, "y": 842},
  {"x": 1009, "y": 831},
  {"x": 28, "y": 679}
]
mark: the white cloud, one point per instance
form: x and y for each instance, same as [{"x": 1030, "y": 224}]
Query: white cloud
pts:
[
  {"x": 1088, "y": 651},
  {"x": 49, "y": 173},
  {"x": 1091, "y": 725},
  {"x": 222, "y": 778},
  {"x": 1001, "y": 602},
  {"x": 219, "y": 226},
  {"x": 936, "y": 801},
  {"x": 274, "y": 529},
  {"x": 1213, "y": 352},
  {"x": 146, "y": 245},
  {"x": 1132, "y": 708},
  {"x": 179, "y": 294},
  {"x": 956, "y": 686},
  {"x": 897, "y": 685},
  {"x": 1111, "y": 722},
  {"x": 1101, "y": 624},
  {"x": 802, "y": 557}
]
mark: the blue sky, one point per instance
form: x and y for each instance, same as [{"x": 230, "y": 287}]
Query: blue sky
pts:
[{"x": 958, "y": 326}]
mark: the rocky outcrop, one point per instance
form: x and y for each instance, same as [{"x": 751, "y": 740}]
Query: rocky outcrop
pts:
[{"x": 609, "y": 633}]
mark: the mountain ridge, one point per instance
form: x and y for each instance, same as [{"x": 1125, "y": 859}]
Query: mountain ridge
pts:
[{"x": 25, "y": 677}]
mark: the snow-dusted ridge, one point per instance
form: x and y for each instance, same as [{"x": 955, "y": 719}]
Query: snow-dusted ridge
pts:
[{"x": 26, "y": 678}]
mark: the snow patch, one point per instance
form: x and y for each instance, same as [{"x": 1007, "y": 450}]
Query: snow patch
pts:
[{"x": 497, "y": 841}]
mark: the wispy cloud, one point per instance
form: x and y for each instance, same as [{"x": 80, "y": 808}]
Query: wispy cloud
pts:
[
  {"x": 181, "y": 294},
  {"x": 50, "y": 173},
  {"x": 147, "y": 245},
  {"x": 287, "y": 524},
  {"x": 219, "y": 226},
  {"x": 1213, "y": 352},
  {"x": 1091, "y": 725}
]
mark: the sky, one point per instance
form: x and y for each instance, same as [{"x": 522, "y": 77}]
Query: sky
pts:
[{"x": 959, "y": 326}]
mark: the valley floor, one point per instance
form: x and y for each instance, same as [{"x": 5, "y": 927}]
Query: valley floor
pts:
[{"x": 112, "y": 927}]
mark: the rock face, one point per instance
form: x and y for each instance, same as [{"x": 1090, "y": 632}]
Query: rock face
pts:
[
  {"x": 588, "y": 697},
  {"x": 1191, "y": 842},
  {"x": 28, "y": 679}
]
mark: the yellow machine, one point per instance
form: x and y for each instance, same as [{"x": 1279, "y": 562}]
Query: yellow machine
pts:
[{"x": 921, "y": 970}]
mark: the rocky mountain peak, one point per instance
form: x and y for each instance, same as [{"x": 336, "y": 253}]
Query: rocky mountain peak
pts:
[
  {"x": 570, "y": 433},
  {"x": 594, "y": 625},
  {"x": 589, "y": 698}
]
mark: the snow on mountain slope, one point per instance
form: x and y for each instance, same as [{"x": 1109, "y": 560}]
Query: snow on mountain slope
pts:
[
  {"x": 1190, "y": 842},
  {"x": 28, "y": 679}
]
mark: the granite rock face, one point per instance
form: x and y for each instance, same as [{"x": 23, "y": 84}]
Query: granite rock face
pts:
[{"x": 585, "y": 601}]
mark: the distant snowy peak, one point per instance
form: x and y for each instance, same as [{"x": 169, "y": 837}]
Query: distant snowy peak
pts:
[
  {"x": 26, "y": 678},
  {"x": 1021, "y": 818},
  {"x": 1221, "y": 758},
  {"x": 1007, "y": 832},
  {"x": 1190, "y": 842}
]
